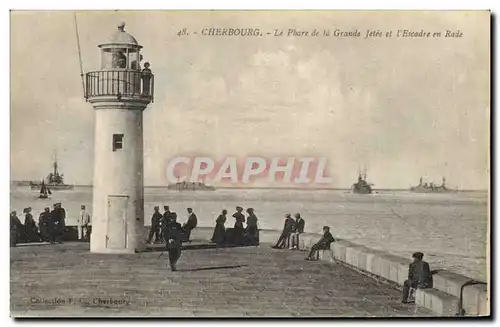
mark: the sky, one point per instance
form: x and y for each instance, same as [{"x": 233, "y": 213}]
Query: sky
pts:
[{"x": 401, "y": 107}]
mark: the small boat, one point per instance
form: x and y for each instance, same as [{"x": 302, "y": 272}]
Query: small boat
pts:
[{"x": 44, "y": 191}]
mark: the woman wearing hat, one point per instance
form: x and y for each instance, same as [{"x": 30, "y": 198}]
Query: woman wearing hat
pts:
[
  {"x": 239, "y": 230},
  {"x": 219, "y": 235}
]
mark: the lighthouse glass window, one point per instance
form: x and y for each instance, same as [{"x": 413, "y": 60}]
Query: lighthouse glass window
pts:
[{"x": 117, "y": 141}]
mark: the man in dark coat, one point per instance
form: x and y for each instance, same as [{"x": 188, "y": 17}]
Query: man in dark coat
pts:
[
  {"x": 165, "y": 220},
  {"x": 191, "y": 224},
  {"x": 30, "y": 227},
  {"x": 57, "y": 224},
  {"x": 43, "y": 225},
  {"x": 298, "y": 228},
  {"x": 155, "y": 226},
  {"x": 285, "y": 234},
  {"x": 323, "y": 243},
  {"x": 16, "y": 227},
  {"x": 173, "y": 239},
  {"x": 419, "y": 276}
]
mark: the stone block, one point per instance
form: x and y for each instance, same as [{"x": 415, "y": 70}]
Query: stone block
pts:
[
  {"x": 441, "y": 303},
  {"x": 385, "y": 267},
  {"x": 484, "y": 305},
  {"x": 373, "y": 263},
  {"x": 326, "y": 255},
  {"x": 449, "y": 282},
  {"x": 352, "y": 256},
  {"x": 362, "y": 255},
  {"x": 474, "y": 296},
  {"x": 339, "y": 251}
]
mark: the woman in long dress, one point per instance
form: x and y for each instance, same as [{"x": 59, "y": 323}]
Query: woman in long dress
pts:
[
  {"x": 252, "y": 231},
  {"x": 219, "y": 235},
  {"x": 239, "y": 229}
]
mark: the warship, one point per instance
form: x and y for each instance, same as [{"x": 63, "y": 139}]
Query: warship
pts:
[
  {"x": 190, "y": 186},
  {"x": 431, "y": 187},
  {"x": 54, "y": 180},
  {"x": 362, "y": 186}
]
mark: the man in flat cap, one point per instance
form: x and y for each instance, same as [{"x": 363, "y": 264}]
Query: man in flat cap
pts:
[
  {"x": 155, "y": 225},
  {"x": 173, "y": 240},
  {"x": 419, "y": 276},
  {"x": 323, "y": 243}
]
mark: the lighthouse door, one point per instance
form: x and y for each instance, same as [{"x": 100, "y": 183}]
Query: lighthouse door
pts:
[{"x": 116, "y": 233}]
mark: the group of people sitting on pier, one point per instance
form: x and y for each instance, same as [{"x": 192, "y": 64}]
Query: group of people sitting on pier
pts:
[{"x": 50, "y": 228}]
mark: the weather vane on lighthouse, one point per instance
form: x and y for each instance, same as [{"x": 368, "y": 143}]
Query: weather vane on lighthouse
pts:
[{"x": 119, "y": 92}]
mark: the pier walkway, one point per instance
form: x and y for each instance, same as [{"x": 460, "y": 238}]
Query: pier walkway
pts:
[{"x": 67, "y": 280}]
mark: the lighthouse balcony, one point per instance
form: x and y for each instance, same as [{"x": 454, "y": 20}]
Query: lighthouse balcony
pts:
[{"x": 120, "y": 83}]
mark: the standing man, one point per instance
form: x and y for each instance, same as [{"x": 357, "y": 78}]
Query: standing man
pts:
[
  {"x": 165, "y": 220},
  {"x": 323, "y": 243},
  {"x": 191, "y": 223},
  {"x": 419, "y": 276},
  {"x": 172, "y": 234},
  {"x": 62, "y": 220},
  {"x": 285, "y": 234},
  {"x": 44, "y": 225},
  {"x": 298, "y": 228},
  {"x": 57, "y": 223},
  {"x": 155, "y": 226},
  {"x": 15, "y": 228},
  {"x": 83, "y": 223},
  {"x": 31, "y": 231}
]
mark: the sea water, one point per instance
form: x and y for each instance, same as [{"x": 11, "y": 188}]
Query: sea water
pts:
[{"x": 449, "y": 228}]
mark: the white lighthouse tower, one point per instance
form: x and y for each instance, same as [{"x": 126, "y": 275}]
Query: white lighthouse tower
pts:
[{"x": 119, "y": 92}]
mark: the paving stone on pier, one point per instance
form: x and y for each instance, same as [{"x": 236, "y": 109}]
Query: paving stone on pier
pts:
[{"x": 224, "y": 282}]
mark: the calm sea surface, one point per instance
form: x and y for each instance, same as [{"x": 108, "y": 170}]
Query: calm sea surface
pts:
[{"x": 451, "y": 229}]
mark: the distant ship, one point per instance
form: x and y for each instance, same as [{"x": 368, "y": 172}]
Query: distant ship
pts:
[
  {"x": 431, "y": 188},
  {"x": 190, "y": 186},
  {"x": 54, "y": 181},
  {"x": 362, "y": 186}
]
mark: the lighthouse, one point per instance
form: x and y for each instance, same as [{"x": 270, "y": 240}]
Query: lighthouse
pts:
[{"x": 119, "y": 93}]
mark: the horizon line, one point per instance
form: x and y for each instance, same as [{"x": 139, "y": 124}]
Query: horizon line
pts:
[{"x": 290, "y": 188}]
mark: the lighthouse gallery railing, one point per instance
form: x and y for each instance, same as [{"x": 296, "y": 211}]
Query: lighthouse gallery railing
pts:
[{"x": 119, "y": 83}]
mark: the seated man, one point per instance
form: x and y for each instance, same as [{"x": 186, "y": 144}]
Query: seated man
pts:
[
  {"x": 323, "y": 243},
  {"x": 419, "y": 276}
]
